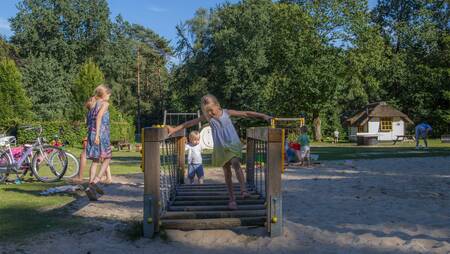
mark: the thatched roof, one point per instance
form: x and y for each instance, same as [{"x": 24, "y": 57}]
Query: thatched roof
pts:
[{"x": 378, "y": 109}]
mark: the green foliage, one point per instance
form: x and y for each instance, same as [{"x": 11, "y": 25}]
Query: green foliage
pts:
[
  {"x": 48, "y": 86},
  {"x": 417, "y": 34},
  {"x": 68, "y": 31},
  {"x": 89, "y": 77},
  {"x": 13, "y": 100},
  {"x": 73, "y": 132}
]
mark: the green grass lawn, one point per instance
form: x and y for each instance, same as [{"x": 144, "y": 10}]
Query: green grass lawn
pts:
[
  {"x": 23, "y": 212},
  {"x": 341, "y": 151}
]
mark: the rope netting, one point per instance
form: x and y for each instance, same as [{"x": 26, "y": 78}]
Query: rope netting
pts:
[
  {"x": 260, "y": 167},
  {"x": 168, "y": 172}
]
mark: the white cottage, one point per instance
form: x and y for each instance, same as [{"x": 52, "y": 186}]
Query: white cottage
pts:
[{"x": 378, "y": 119}]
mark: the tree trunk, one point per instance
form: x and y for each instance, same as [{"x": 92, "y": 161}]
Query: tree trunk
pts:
[{"x": 317, "y": 127}]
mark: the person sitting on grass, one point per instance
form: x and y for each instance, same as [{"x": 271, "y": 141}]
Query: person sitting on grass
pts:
[
  {"x": 194, "y": 151},
  {"x": 304, "y": 153},
  {"x": 422, "y": 131}
]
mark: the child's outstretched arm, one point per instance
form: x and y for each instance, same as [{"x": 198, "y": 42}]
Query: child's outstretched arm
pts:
[
  {"x": 249, "y": 114},
  {"x": 185, "y": 125}
]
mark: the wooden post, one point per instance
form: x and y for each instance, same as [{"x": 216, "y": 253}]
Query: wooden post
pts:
[
  {"x": 250, "y": 164},
  {"x": 152, "y": 165},
  {"x": 181, "y": 146},
  {"x": 273, "y": 191},
  {"x": 273, "y": 137}
]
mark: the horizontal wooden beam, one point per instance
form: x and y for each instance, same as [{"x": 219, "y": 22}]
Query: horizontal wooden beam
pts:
[
  {"x": 152, "y": 134},
  {"x": 221, "y": 223},
  {"x": 215, "y": 208},
  {"x": 271, "y": 135},
  {"x": 217, "y": 202},
  {"x": 213, "y": 214}
]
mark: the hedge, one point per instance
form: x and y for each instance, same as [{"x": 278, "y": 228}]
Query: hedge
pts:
[{"x": 73, "y": 132}]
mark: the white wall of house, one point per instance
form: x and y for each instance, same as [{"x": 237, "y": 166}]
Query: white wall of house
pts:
[
  {"x": 398, "y": 128},
  {"x": 373, "y": 127}
]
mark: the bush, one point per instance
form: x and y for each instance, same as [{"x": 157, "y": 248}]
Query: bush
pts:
[{"x": 73, "y": 132}]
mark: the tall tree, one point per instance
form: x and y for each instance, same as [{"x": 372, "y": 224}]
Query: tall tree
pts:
[
  {"x": 89, "y": 77},
  {"x": 68, "y": 31},
  {"x": 417, "y": 32},
  {"x": 48, "y": 87},
  {"x": 14, "y": 103}
]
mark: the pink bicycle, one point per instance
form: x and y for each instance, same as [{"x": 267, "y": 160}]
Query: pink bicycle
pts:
[{"x": 45, "y": 162}]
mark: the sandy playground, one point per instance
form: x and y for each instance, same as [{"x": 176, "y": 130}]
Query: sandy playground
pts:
[{"x": 361, "y": 206}]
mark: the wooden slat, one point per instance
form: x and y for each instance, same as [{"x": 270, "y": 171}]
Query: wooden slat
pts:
[
  {"x": 213, "y": 214},
  {"x": 237, "y": 190},
  {"x": 204, "y": 224},
  {"x": 215, "y": 208},
  {"x": 212, "y": 194},
  {"x": 205, "y": 185},
  {"x": 159, "y": 134},
  {"x": 215, "y": 202},
  {"x": 224, "y": 197},
  {"x": 265, "y": 134}
]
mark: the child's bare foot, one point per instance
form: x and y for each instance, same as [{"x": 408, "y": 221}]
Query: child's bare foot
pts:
[
  {"x": 200, "y": 180},
  {"x": 106, "y": 181},
  {"x": 232, "y": 205},
  {"x": 245, "y": 194}
]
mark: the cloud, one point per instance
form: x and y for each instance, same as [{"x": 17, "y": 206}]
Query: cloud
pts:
[
  {"x": 4, "y": 24},
  {"x": 154, "y": 8}
]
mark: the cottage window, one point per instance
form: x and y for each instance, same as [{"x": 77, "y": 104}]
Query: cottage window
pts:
[
  {"x": 361, "y": 128},
  {"x": 386, "y": 124}
]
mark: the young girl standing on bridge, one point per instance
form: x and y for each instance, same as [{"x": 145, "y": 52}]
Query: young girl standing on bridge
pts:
[{"x": 227, "y": 145}]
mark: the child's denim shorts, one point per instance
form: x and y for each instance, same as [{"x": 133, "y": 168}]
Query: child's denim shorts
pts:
[{"x": 195, "y": 169}]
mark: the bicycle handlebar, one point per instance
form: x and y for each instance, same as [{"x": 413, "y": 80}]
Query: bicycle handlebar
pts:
[{"x": 32, "y": 128}]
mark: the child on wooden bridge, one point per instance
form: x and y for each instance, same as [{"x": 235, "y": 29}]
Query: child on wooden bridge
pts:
[{"x": 227, "y": 145}]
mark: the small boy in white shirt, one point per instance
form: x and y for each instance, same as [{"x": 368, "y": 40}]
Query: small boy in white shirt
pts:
[{"x": 194, "y": 151}]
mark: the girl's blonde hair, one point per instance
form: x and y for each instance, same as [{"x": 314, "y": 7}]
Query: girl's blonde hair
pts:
[
  {"x": 90, "y": 103},
  {"x": 101, "y": 91},
  {"x": 206, "y": 102}
]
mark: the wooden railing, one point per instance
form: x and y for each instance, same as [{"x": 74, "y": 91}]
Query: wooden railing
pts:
[
  {"x": 263, "y": 172},
  {"x": 163, "y": 162}
]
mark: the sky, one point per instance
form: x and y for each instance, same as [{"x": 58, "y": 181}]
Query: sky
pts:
[{"x": 159, "y": 15}]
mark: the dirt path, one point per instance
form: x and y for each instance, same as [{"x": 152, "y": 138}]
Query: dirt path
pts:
[{"x": 364, "y": 206}]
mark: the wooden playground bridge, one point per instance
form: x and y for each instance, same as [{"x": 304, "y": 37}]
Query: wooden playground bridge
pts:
[{"x": 171, "y": 204}]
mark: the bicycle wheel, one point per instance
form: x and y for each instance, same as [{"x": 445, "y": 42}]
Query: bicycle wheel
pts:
[
  {"x": 5, "y": 163},
  {"x": 73, "y": 166},
  {"x": 49, "y": 164}
]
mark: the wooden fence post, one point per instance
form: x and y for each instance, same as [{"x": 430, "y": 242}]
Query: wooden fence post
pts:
[
  {"x": 273, "y": 192},
  {"x": 152, "y": 164},
  {"x": 181, "y": 147}
]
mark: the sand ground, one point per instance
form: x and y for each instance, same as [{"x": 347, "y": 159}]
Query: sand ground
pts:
[{"x": 362, "y": 206}]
